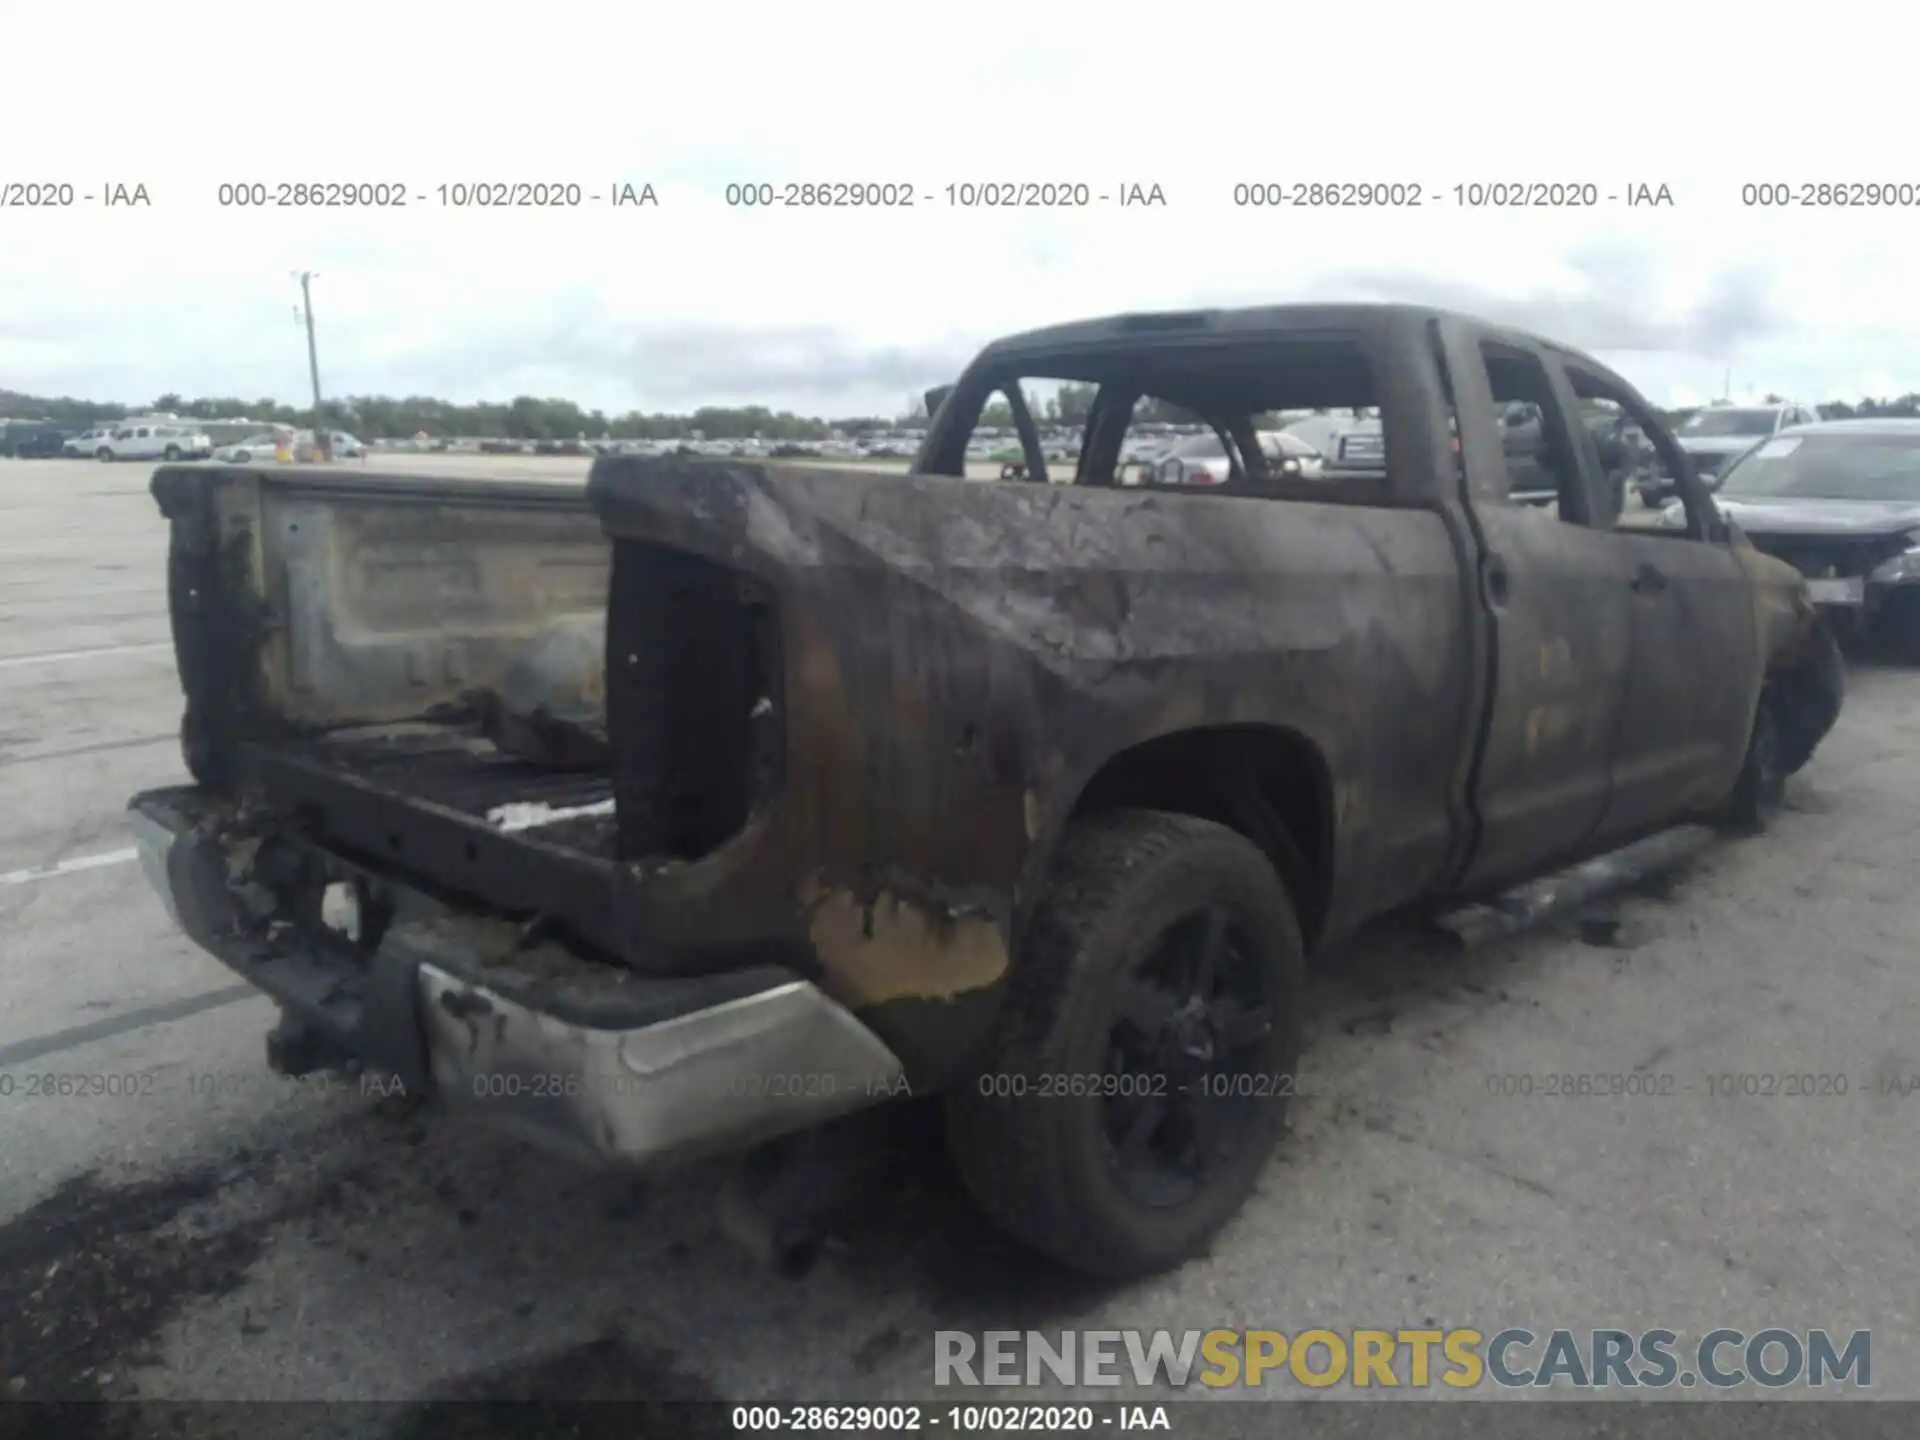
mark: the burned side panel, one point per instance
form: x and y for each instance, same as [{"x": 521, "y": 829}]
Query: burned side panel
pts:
[{"x": 959, "y": 659}]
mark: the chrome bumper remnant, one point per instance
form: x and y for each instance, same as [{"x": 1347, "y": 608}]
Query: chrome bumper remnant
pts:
[
  {"x": 712, "y": 1079},
  {"x": 575, "y": 1054}
]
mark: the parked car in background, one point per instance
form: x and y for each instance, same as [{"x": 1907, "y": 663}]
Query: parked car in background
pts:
[
  {"x": 1360, "y": 447},
  {"x": 31, "y": 439},
  {"x": 87, "y": 443},
  {"x": 1321, "y": 431},
  {"x": 231, "y": 432},
  {"x": 263, "y": 446},
  {"x": 305, "y": 447},
  {"x": 1196, "y": 460},
  {"x": 155, "y": 442},
  {"x": 1291, "y": 455},
  {"x": 300, "y": 445},
  {"x": 1839, "y": 500},
  {"x": 1715, "y": 437},
  {"x": 1203, "y": 459}
]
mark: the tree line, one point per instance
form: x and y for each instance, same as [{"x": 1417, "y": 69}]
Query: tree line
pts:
[{"x": 529, "y": 418}]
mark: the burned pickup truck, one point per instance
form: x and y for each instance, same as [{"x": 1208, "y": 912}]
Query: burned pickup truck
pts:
[{"x": 720, "y": 800}]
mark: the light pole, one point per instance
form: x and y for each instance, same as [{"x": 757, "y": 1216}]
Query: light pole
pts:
[{"x": 322, "y": 436}]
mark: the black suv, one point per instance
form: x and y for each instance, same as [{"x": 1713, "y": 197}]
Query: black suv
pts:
[{"x": 31, "y": 439}]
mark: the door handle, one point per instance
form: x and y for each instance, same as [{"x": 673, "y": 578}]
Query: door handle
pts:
[
  {"x": 1648, "y": 580},
  {"x": 1499, "y": 581}
]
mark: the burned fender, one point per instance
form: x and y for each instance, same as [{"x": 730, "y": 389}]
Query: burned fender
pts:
[
  {"x": 1809, "y": 685},
  {"x": 1805, "y": 672}
]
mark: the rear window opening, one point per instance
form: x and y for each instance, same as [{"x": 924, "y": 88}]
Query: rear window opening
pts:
[{"x": 1296, "y": 419}]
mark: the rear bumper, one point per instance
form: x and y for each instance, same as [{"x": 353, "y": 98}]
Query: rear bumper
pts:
[{"x": 577, "y": 1055}]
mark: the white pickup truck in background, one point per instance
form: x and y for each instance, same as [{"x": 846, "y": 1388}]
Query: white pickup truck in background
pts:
[{"x": 155, "y": 442}]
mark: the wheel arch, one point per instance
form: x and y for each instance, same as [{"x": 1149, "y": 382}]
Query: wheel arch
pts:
[
  {"x": 1807, "y": 683},
  {"x": 1269, "y": 783}
]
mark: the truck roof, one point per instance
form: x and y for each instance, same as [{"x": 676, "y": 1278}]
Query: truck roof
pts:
[{"x": 1234, "y": 323}]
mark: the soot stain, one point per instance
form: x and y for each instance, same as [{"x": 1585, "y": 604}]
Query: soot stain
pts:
[{"x": 90, "y": 1274}]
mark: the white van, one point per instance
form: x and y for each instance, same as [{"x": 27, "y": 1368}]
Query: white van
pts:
[{"x": 155, "y": 442}]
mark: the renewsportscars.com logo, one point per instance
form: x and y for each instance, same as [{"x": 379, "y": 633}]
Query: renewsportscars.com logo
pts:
[{"x": 1514, "y": 1358}]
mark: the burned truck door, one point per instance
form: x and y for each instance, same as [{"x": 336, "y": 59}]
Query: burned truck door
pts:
[
  {"x": 1696, "y": 668},
  {"x": 1555, "y": 596}
]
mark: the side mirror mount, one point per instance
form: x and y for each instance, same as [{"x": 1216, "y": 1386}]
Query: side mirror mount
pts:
[{"x": 935, "y": 398}]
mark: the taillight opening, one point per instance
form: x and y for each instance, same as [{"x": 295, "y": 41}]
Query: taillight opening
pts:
[{"x": 694, "y": 700}]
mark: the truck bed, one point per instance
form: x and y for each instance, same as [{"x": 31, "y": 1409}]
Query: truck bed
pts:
[
  {"x": 456, "y": 768},
  {"x": 348, "y": 645}
]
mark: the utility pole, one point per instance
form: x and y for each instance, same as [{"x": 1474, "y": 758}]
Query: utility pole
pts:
[{"x": 322, "y": 436}]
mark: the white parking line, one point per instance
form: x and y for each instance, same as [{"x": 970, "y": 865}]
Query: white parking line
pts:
[
  {"x": 53, "y": 657},
  {"x": 67, "y": 867}
]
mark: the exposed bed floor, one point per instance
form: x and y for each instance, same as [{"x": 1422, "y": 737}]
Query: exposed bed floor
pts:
[{"x": 459, "y": 769}]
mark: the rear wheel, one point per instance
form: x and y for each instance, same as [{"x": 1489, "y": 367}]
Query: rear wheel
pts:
[
  {"x": 243, "y": 456},
  {"x": 103, "y": 453},
  {"x": 173, "y": 453},
  {"x": 1137, "y": 1079}
]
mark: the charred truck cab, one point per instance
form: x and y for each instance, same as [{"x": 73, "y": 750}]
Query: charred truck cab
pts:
[{"x": 720, "y": 800}]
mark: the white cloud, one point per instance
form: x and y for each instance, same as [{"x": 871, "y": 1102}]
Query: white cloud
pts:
[{"x": 696, "y": 301}]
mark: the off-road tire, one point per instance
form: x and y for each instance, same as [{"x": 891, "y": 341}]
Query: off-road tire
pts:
[
  {"x": 1037, "y": 1165},
  {"x": 1760, "y": 791}
]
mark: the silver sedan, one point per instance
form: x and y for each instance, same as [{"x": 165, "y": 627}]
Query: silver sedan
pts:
[
  {"x": 1203, "y": 459},
  {"x": 254, "y": 447}
]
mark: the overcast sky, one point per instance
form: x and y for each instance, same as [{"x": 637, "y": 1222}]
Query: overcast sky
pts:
[{"x": 692, "y": 302}]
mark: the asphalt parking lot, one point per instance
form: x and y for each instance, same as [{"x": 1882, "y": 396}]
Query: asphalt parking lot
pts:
[{"x": 185, "y": 1225}]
